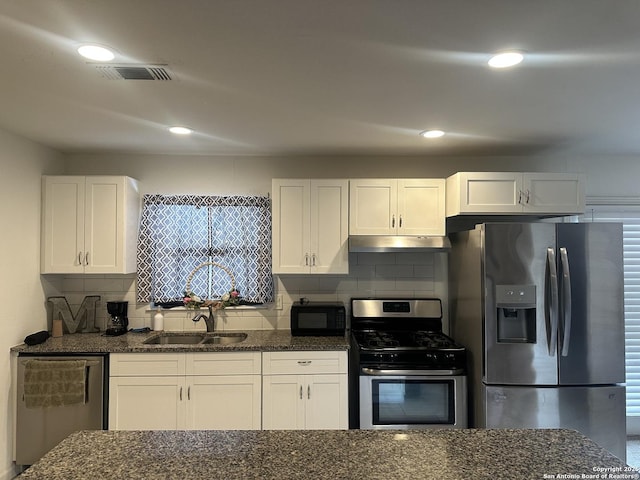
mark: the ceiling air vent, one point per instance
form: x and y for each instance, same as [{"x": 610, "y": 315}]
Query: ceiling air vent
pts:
[{"x": 135, "y": 72}]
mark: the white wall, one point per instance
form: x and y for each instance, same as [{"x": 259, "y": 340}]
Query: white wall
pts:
[
  {"x": 252, "y": 175},
  {"x": 22, "y": 291}
]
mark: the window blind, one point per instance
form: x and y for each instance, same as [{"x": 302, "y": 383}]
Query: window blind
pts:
[
  {"x": 179, "y": 233},
  {"x": 629, "y": 216}
]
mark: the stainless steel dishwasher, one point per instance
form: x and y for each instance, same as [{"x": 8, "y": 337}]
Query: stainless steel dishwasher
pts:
[{"x": 41, "y": 427}]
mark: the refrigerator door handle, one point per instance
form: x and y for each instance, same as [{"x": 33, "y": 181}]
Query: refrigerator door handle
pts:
[
  {"x": 565, "y": 329},
  {"x": 552, "y": 288}
]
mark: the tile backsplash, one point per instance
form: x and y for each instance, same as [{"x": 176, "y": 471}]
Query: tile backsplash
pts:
[{"x": 403, "y": 274}]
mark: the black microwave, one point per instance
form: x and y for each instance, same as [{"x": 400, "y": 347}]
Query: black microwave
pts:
[{"x": 318, "y": 318}]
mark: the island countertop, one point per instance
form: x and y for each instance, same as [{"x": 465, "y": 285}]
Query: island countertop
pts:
[
  {"x": 257, "y": 340},
  {"x": 336, "y": 455}
]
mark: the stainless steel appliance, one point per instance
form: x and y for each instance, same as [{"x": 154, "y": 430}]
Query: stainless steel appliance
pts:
[
  {"x": 404, "y": 372},
  {"x": 318, "y": 318},
  {"x": 539, "y": 307},
  {"x": 118, "y": 321},
  {"x": 51, "y": 408}
]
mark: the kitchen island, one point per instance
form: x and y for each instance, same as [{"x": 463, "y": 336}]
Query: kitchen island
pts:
[{"x": 335, "y": 455}]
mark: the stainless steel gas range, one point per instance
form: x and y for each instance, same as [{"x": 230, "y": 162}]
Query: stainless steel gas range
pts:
[{"x": 404, "y": 372}]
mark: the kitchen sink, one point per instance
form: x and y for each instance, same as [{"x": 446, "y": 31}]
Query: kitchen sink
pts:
[
  {"x": 196, "y": 339},
  {"x": 225, "y": 339}
]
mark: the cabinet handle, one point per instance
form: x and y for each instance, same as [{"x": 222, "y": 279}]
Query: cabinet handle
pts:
[
  {"x": 189, "y": 392},
  {"x": 313, "y": 260},
  {"x": 306, "y": 259},
  {"x": 180, "y": 393},
  {"x": 79, "y": 258},
  {"x": 527, "y": 197},
  {"x": 86, "y": 259},
  {"x": 519, "y": 197},
  {"x": 308, "y": 392},
  {"x": 300, "y": 392},
  {"x": 400, "y": 222},
  {"x": 393, "y": 221},
  {"x": 304, "y": 363}
]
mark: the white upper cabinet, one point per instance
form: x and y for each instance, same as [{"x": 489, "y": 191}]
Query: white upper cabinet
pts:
[
  {"x": 397, "y": 207},
  {"x": 473, "y": 193},
  {"x": 89, "y": 224},
  {"x": 310, "y": 226}
]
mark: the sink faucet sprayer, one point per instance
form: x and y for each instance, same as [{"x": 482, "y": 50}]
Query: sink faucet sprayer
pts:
[{"x": 209, "y": 320}]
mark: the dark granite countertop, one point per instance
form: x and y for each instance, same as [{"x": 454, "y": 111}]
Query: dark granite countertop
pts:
[
  {"x": 257, "y": 340},
  {"x": 335, "y": 455}
]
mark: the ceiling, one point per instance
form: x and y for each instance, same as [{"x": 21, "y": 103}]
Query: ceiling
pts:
[{"x": 325, "y": 77}]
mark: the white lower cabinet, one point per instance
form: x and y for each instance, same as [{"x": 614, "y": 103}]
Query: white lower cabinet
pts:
[
  {"x": 304, "y": 390},
  {"x": 228, "y": 391},
  {"x": 169, "y": 391},
  {"x": 146, "y": 403}
]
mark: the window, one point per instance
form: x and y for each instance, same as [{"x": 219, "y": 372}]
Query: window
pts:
[
  {"x": 180, "y": 233},
  {"x": 629, "y": 216}
]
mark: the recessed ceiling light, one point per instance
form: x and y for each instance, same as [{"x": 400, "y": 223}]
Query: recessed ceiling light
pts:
[
  {"x": 181, "y": 130},
  {"x": 96, "y": 53},
  {"x": 506, "y": 59},
  {"x": 432, "y": 134}
]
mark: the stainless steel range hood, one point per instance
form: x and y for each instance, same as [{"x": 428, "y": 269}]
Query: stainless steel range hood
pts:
[{"x": 389, "y": 243}]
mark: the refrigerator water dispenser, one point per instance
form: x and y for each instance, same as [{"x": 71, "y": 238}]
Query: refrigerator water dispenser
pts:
[{"x": 516, "y": 313}]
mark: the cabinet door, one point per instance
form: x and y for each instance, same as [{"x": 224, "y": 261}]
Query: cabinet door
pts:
[
  {"x": 223, "y": 363},
  {"x": 146, "y": 403},
  {"x": 329, "y": 223},
  {"x": 146, "y": 364},
  {"x": 282, "y": 402},
  {"x": 63, "y": 217},
  {"x": 90, "y": 224},
  {"x": 223, "y": 402},
  {"x": 304, "y": 362},
  {"x": 110, "y": 224},
  {"x": 554, "y": 193},
  {"x": 326, "y": 404},
  {"x": 373, "y": 206},
  {"x": 484, "y": 192},
  {"x": 421, "y": 207},
  {"x": 290, "y": 228}
]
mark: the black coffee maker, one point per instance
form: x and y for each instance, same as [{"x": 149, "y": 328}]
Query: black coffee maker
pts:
[{"x": 118, "y": 322}]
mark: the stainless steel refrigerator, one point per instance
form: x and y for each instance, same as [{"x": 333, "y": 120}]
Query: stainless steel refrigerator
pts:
[{"x": 540, "y": 308}]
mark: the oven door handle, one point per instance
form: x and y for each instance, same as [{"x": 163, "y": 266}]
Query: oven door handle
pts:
[{"x": 439, "y": 373}]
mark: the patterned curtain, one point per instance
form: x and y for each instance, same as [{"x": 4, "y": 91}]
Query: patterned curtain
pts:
[{"x": 178, "y": 233}]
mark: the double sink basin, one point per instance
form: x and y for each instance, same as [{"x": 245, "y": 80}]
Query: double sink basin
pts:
[{"x": 196, "y": 339}]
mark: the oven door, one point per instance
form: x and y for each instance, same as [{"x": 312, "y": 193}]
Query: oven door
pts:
[{"x": 406, "y": 400}]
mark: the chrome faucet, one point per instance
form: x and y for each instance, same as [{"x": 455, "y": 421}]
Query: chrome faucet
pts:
[{"x": 209, "y": 320}]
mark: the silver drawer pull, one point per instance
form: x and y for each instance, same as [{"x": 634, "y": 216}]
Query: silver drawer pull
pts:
[{"x": 304, "y": 363}]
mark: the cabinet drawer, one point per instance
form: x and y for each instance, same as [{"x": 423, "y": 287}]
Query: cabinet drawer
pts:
[
  {"x": 223, "y": 363},
  {"x": 146, "y": 364},
  {"x": 297, "y": 363}
]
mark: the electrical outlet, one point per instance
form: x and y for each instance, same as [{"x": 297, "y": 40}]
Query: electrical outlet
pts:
[{"x": 278, "y": 302}]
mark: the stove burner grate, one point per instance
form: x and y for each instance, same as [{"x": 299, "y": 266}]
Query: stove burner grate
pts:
[{"x": 379, "y": 339}]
